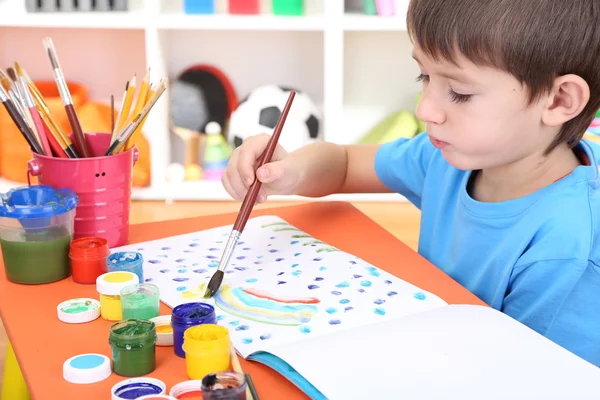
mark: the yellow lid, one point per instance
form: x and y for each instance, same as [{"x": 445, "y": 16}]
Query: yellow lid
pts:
[{"x": 111, "y": 283}]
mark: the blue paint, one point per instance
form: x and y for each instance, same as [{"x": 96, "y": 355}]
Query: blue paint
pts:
[
  {"x": 331, "y": 310},
  {"x": 361, "y": 290},
  {"x": 293, "y": 242},
  {"x": 352, "y": 262},
  {"x": 366, "y": 283},
  {"x": 126, "y": 261},
  {"x": 220, "y": 317},
  {"x": 379, "y": 301},
  {"x": 213, "y": 249},
  {"x": 239, "y": 243},
  {"x": 392, "y": 293},
  {"x": 318, "y": 278},
  {"x": 356, "y": 276},
  {"x": 164, "y": 271},
  {"x": 213, "y": 265},
  {"x": 273, "y": 250},
  {"x": 348, "y": 309},
  {"x": 181, "y": 288},
  {"x": 180, "y": 279},
  {"x": 257, "y": 262},
  {"x": 240, "y": 268},
  {"x": 149, "y": 280},
  {"x": 335, "y": 322},
  {"x": 187, "y": 251},
  {"x": 311, "y": 287},
  {"x": 259, "y": 257},
  {"x": 135, "y": 390},
  {"x": 295, "y": 265},
  {"x": 388, "y": 282},
  {"x": 317, "y": 259},
  {"x": 193, "y": 245},
  {"x": 240, "y": 257},
  {"x": 279, "y": 259},
  {"x": 281, "y": 282},
  {"x": 342, "y": 285},
  {"x": 182, "y": 271},
  {"x": 247, "y": 340},
  {"x": 304, "y": 329},
  {"x": 297, "y": 254},
  {"x": 336, "y": 293},
  {"x": 187, "y": 315},
  {"x": 180, "y": 260},
  {"x": 154, "y": 261},
  {"x": 419, "y": 296},
  {"x": 163, "y": 256},
  {"x": 296, "y": 272},
  {"x": 246, "y": 248},
  {"x": 344, "y": 301},
  {"x": 140, "y": 249},
  {"x": 87, "y": 361},
  {"x": 165, "y": 248},
  {"x": 234, "y": 323},
  {"x": 251, "y": 280},
  {"x": 242, "y": 328},
  {"x": 322, "y": 268},
  {"x": 280, "y": 273},
  {"x": 272, "y": 237},
  {"x": 373, "y": 271},
  {"x": 211, "y": 257},
  {"x": 200, "y": 271},
  {"x": 379, "y": 311},
  {"x": 265, "y": 336}
]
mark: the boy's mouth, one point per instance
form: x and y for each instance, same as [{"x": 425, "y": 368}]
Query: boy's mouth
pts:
[{"x": 438, "y": 144}]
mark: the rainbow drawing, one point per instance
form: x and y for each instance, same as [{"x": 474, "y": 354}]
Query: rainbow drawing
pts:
[{"x": 260, "y": 306}]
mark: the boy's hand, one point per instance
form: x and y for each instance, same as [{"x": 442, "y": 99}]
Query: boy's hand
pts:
[{"x": 280, "y": 176}]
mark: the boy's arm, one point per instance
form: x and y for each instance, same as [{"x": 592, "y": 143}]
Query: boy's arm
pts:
[{"x": 330, "y": 168}]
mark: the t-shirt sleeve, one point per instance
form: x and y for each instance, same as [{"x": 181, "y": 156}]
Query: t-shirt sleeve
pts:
[
  {"x": 559, "y": 299},
  {"x": 402, "y": 165}
]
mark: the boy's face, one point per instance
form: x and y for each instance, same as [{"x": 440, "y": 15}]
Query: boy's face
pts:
[{"x": 478, "y": 116}]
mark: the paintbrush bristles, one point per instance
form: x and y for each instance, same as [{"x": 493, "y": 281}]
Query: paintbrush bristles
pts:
[
  {"x": 214, "y": 284},
  {"x": 49, "y": 45}
]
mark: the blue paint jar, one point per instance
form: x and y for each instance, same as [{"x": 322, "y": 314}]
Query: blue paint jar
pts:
[
  {"x": 136, "y": 387},
  {"x": 129, "y": 261},
  {"x": 185, "y": 316}
]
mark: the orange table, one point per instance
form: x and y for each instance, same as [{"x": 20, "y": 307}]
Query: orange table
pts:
[{"x": 42, "y": 343}]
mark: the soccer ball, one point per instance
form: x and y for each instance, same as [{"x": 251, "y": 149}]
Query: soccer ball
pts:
[{"x": 259, "y": 112}]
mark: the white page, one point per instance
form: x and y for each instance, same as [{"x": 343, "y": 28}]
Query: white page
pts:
[
  {"x": 316, "y": 288},
  {"x": 458, "y": 351}
]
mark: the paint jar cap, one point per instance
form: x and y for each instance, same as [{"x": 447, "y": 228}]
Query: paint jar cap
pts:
[
  {"x": 78, "y": 310},
  {"x": 87, "y": 368},
  {"x": 132, "y": 387},
  {"x": 186, "y": 387},
  {"x": 111, "y": 283}
]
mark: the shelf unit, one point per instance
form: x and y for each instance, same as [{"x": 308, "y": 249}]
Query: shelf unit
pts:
[{"x": 356, "y": 68}]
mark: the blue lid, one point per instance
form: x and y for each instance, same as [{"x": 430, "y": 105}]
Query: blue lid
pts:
[{"x": 39, "y": 201}]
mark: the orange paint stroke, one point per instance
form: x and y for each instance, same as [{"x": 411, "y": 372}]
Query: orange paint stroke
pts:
[{"x": 265, "y": 295}]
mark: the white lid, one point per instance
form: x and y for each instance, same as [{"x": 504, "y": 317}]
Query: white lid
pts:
[
  {"x": 87, "y": 368},
  {"x": 186, "y": 387},
  {"x": 132, "y": 384},
  {"x": 111, "y": 283},
  {"x": 78, "y": 310}
]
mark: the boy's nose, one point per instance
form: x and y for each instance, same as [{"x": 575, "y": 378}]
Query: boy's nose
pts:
[{"x": 427, "y": 110}]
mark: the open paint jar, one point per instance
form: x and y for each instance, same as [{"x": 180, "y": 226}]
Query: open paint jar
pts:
[
  {"x": 135, "y": 388},
  {"x": 164, "y": 330},
  {"x": 140, "y": 301},
  {"x": 133, "y": 347},
  {"x": 109, "y": 285},
  {"x": 187, "y": 315},
  {"x": 207, "y": 349},
  {"x": 88, "y": 259},
  {"x": 225, "y": 385},
  {"x": 36, "y": 228},
  {"x": 187, "y": 390},
  {"x": 130, "y": 261}
]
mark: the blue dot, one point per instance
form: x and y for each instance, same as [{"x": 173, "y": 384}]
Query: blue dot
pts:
[
  {"x": 211, "y": 257},
  {"x": 336, "y": 293},
  {"x": 419, "y": 296},
  {"x": 361, "y": 290},
  {"x": 311, "y": 287},
  {"x": 240, "y": 268},
  {"x": 164, "y": 271},
  {"x": 317, "y": 259},
  {"x": 240, "y": 257},
  {"x": 200, "y": 271},
  {"x": 213, "y": 249},
  {"x": 296, "y": 272},
  {"x": 165, "y": 248},
  {"x": 182, "y": 271},
  {"x": 251, "y": 280},
  {"x": 234, "y": 323},
  {"x": 331, "y": 310},
  {"x": 335, "y": 322},
  {"x": 356, "y": 276},
  {"x": 279, "y": 259},
  {"x": 180, "y": 260},
  {"x": 293, "y": 242},
  {"x": 348, "y": 309},
  {"x": 280, "y": 282},
  {"x": 193, "y": 245},
  {"x": 180, "y": 279},
  {"x": 318, "y": 278},
  {"x": 247, "y": 340},
  {"x": 365, "y": 283},
  {"x": 304, "y": 329},
  {"x": 322, "y": 268},
  {"x": 297, "y": 254},
  {"x": 242, "y": 328},
  {"x": 265, "y": 336},
  {"x": 154, "y": 261},
  {"x": 352, "y": 262},
  {"x": 148, "y": 280},
  {"x": 373, "y": 271},
  {"x": 220, "y": 317},
  {"x": 87, "y": 361},
  {"x": 379, "y": 311},
  {"x": 295, "y": 265},
  {"x": 280, "y": 273},
  {"x": 181, "y": 288},
  {"x": 392, "y": 294},
  {"x": 379, "y": 301},
  {"x": 342, "y": 285},
  {"x": 388, "y": 282},
  {"x": 344, "y": 301},
  {"x": 273, "y": 250}
]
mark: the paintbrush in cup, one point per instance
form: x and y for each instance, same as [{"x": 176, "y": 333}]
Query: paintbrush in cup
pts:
[{"x": 247, "y": 205}]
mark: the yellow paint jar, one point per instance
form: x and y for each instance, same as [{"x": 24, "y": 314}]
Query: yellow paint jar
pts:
[
  {"x": 109, "y": 287},
  {"x": 206, "y": 349}
]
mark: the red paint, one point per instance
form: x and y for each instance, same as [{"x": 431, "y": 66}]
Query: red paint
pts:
[
  {"x": 244, "y": 7},
  {"x": 88, "y": 258},
  {"x": 193, "y": 395},
  {"x": 265, "y": 295}
]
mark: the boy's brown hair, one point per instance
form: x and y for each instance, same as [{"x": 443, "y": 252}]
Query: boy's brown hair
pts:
[{"x": 534, "y": 40}]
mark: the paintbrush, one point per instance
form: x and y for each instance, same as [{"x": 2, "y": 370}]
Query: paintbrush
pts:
[
  {"x": 65, "y": 95},
  {"x": 237, "y": 367},
  {"x": 118, "y": 144},
  {"x": 24, "y": 128},
  {"x": 247, "y": 205}
]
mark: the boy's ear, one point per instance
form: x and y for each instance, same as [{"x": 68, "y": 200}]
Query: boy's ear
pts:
[{"x": 568, "y": 97}]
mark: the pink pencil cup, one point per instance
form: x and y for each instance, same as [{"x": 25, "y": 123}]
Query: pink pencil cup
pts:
[
  {"x": 102, "y": 183},
  {"x": 385, "y": 8}
]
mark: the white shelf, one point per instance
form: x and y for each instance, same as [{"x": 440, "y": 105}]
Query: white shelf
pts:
[{"x": 356, "y": 68}]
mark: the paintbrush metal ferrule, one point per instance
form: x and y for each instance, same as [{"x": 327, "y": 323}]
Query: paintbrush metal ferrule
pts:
[
  {"x": 234, "y": 236},
  {"x": 63, "y": 90}
]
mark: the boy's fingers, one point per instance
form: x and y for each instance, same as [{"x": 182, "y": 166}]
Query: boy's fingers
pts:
[
  {"x": 228, "y": 188},
  {"x": 245, "y": 165},
  {"x": 271, "y": 172}
]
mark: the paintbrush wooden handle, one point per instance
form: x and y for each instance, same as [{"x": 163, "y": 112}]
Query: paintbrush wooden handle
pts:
[
  {"x": 21, "y": 124},
  {"x": 252, "y": 194},
  {"x": 78, "y": 135}
]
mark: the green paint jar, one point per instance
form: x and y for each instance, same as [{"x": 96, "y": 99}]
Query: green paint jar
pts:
[
  {"x": 140, "y": 301},
  {"x": 133, "y": 343}
]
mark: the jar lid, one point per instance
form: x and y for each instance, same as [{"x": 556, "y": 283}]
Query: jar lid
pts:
[
  {"x": 78, "y": 310},
  {"x": 89, "y": 247},
  {"x": 135, "y": 388},
  {"x": 111, "y": 283},
  {"x": 37, "y": 201},
  {"x": 87, "y": 368}
]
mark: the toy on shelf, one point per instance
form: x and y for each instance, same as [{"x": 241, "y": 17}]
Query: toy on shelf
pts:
[
  {"x": 288, "y": 7},
  {"x": 386, "y": 8},
  {"x": 244, "y": 7},
  {"x": 192, "y": 143},
  {"x": 396, "y": 125},
  {"x": 199, "y": 6},
  {"x": 216, "y": 152},
  {"x": 33, "y": 6},
  {"x": 259, "y": 113}
]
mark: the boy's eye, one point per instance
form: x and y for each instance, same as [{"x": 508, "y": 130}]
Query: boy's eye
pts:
[
  {"x": 459, "y": 98},
  {"x": 422, "y": 78}
]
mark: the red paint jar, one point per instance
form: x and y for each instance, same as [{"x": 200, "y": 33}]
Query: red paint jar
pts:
[{"x": 88, "y": 259}]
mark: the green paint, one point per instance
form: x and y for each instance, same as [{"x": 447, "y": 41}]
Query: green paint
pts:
[
  {"x": 43, "y": 258},
  {"x": 143, "y": 303},
  {"x": 79, "y": 307},
  {"x": 133, "y": 347}
]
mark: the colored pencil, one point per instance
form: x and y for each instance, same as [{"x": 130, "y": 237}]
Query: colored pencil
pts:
[
  {"x": 131, "y": 142},
  {"x": 65, "y": 95},
  {"x": 247, "y": 204},
  {"x": 141, "y": 101},
  {"x": 237, "y": 367},
  {"x": 125, "y": 108}
]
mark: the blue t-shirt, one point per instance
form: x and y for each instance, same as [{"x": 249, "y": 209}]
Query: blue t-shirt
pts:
[{"x": 535, "y": 258}]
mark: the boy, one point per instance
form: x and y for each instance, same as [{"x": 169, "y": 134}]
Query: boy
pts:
[{"x": 509, "y": 193}]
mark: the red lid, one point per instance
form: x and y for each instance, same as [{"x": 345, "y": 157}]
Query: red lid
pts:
[{"x": 89, "y": 248}]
